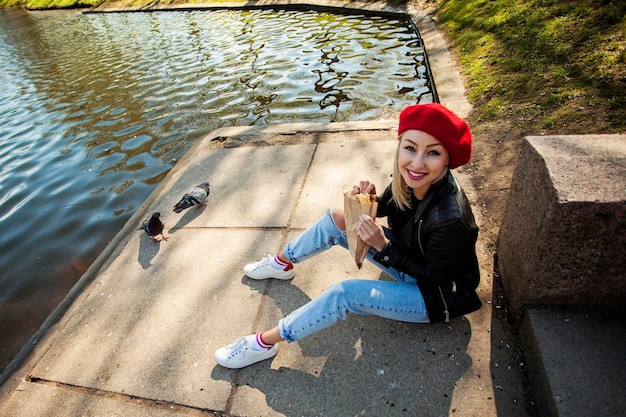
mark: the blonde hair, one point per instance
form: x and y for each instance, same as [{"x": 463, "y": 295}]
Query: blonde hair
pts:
[{"x": 400, "y": 191}]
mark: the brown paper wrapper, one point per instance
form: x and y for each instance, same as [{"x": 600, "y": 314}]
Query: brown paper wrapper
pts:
[{"x": 353, "y": 208}]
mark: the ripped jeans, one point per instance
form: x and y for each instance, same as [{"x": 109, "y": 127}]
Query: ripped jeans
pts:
[{"x": 399, "y": 300}]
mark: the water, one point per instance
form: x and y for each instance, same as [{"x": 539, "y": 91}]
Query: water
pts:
[{"x": 95, "y": 109}]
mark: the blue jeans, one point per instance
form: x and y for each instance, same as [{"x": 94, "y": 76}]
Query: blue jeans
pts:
[{"x": 401, "y": 300}]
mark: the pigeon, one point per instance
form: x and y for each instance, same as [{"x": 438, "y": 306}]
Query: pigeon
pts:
[
  {"x": 197, "y": 196},
  {"x": 154, "y": 227}
]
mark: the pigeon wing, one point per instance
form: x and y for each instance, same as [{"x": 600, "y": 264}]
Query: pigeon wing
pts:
[
  {"x": 183, "y": 204},
  {"x": 194, "y": 197},
  {"x": 198, "y": 195}
]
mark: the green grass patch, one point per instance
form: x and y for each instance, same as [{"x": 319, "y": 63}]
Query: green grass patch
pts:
[
  {"x": 564, "y": 57},
  {"x": 10, "y": 3},
  {"x": 61, "y": 4}
]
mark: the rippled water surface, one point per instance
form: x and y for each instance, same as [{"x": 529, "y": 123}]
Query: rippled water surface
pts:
[{"x": 95, "y": 109}]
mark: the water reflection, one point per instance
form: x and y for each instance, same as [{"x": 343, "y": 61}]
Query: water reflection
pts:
[{"x": 96, "y": 109}]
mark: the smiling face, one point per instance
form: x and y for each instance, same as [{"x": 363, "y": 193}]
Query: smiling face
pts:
[{"x": 422, "y": 160}]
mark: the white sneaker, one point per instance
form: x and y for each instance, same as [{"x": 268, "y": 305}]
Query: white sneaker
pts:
[
  {"x": 239, "y": 354},
  {"x": 263, "y": 270}
]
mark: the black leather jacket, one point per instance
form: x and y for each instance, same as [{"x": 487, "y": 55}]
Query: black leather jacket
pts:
[{"x": 434, "y": 242}]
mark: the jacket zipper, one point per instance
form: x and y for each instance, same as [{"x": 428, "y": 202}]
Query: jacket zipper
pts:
[
  {"x": 419, "y": 240},
  {"x": 445, "y": 305}
]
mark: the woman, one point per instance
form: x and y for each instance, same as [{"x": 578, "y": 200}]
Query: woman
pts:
[{"x": 429, "y": 247}]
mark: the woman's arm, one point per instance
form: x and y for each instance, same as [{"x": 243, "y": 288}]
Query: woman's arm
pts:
[{"x": 436, "y": 257}]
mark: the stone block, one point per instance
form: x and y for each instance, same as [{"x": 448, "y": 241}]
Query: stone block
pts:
[{"x": 562, "y": 241}]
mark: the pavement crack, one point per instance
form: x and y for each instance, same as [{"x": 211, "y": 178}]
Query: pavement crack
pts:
[{"x": 148, "y": 403}]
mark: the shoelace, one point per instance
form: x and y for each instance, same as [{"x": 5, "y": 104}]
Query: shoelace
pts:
[
  {"x": 237, "y": 347},
  {"x": 263, "y": 262}
]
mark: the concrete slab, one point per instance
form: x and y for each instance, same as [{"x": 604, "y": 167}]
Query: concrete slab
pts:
[
  {"x": 335, "y": 168},
  {"x": 584, "y": 167},
  {"x": 577, "y": 363},
  {"x": 246, "y": 202},
  {"x": 363, "y": 366},
  {"x": 40, "y": 400},
  {"x": 563, "y": 233},
  {"x": 149, "y": 329}
]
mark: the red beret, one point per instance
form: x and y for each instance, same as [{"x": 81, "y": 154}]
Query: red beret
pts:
[{"x": 439, "y": 122}]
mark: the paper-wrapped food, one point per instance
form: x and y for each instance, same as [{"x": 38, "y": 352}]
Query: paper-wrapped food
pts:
[{"x": 353, "y": 205}]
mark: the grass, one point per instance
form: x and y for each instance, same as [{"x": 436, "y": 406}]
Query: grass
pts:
[{"x": 555, "y": 64}]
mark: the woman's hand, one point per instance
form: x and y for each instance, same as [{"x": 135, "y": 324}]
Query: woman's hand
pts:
[
  {"x": 365, "y": 187},
  {"x": 371, "y": 232}
]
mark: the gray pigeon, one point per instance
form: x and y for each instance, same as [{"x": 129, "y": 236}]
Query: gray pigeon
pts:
[
  {"x": 154, "y": 227},
  {"x": 195, "y": 197}
]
